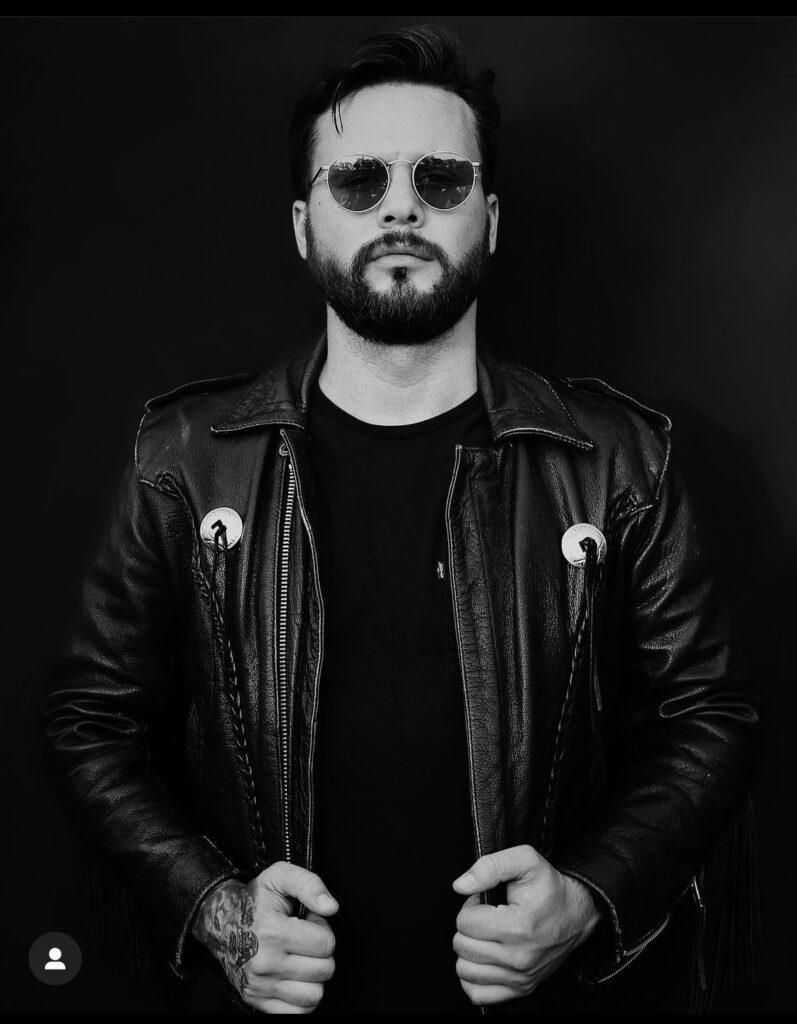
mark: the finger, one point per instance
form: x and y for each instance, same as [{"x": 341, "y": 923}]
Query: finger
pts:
[
  {"x": 276, "y": 1006},
  {"x": 312, "y": 916},
  {"x": 287, "y": 881},
  {"x": 485, "y": 995},
  {"x": 504, "y": 923},
  {"x": 299, "y": 993},
  {"x": 307, "y": 938},
  {"x": 489, "y": 974},
  {"x": 515, "y": 863},
  {"x": 478, "y": 951},
  {"x": 307, "y": 968}
]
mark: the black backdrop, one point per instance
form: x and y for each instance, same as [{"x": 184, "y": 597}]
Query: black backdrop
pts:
[{"x": 648, "y": 224}]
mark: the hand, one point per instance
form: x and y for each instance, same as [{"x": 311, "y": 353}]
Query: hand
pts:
[
  {"x": 275, "y": 961},
  {"x": 506, "y": 951}
]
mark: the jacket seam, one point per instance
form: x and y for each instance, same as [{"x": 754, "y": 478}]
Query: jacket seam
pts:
[{"x": 230, "y": 873}]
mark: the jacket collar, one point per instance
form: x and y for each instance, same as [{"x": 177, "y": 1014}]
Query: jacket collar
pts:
[{"x": 517, "y": 400}]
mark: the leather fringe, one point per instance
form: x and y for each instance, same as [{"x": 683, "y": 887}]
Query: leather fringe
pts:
[
  {"x": 113, "y": 921},
  {"x": 728, "y": 940}
]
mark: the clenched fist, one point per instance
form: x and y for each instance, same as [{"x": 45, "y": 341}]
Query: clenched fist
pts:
[
  {"x": 275, "y": 961},
  {"x": 506, "y": 951}
]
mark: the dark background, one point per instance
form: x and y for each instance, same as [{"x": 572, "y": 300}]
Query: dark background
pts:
[{"x": 648, "y": 186}]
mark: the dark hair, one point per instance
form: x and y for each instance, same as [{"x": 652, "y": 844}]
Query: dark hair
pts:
[{"x": 421, "y": 55}]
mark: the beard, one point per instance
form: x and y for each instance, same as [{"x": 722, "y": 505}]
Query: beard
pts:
[{"x": 401, "y": 314}]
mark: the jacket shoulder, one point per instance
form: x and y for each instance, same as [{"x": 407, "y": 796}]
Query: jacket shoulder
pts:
[
  {"x": 173, "y": 419},
  {"x": 637, "y": 436}
]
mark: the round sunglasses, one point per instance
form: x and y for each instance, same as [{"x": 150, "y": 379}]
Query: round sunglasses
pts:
[{"x": 359, "y": 182}]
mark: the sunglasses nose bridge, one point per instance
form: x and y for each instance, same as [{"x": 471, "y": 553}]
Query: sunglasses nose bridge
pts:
[{"x": 389, "y": 164}]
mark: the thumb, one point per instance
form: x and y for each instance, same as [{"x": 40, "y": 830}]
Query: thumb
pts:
[
  {"x": 515, "y": 864},
  {"x": 284, "y": 882}
]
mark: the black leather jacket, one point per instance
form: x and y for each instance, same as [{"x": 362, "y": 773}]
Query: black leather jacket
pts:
[{"x": 603, "y": 725}]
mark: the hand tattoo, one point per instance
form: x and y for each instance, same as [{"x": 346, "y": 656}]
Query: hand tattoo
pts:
[{"x": 224, "y": 924}]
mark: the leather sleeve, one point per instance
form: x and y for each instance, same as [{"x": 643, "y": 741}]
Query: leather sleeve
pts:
[
  {"x": 688, "y": 736},
  {"x": 98, "y": 701}
]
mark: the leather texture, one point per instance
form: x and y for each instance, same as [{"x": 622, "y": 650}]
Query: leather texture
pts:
[{"x": 170, "y": 717}]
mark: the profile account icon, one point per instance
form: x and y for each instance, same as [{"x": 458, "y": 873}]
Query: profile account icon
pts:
[
  {"x": 55, "y": 958},
  {"x": 54, "y": 963}
]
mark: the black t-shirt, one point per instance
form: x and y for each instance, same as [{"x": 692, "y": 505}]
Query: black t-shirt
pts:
[{"x": 393, "y": 822}]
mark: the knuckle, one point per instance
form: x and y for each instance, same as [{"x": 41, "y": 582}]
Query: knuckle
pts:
[
  {"x": 521, "y": 960},
  {"x": 276, "y": 868},
  {"x": 517, "y": 931},
  {"x": 271, "y": 928}
]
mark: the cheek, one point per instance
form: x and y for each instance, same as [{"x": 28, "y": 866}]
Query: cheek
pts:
[
  {"x": 338, "y": 233},
  {"x": 458, "y": 232}
]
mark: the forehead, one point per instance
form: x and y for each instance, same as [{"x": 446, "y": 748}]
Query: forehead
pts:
[{"x": 398, "y": 120}]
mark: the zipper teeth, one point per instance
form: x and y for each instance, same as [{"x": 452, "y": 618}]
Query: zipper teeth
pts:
[
  {"x": 632, "y": 954},
  {"x": 285, "y": 449},
  {"x": 283, "y": 655}
]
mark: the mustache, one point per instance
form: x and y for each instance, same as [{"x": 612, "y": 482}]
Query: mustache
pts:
[{"x": 406, "y": 239}]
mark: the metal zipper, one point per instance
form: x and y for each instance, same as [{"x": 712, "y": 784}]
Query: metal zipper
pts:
[
  {"x": 701, "y": 934},
  {"x": 294, "y": 491},
  {"x": 282, "y": 644},
  {"x": 630, "y": 955},
  {"x": 477, "y": 834}
]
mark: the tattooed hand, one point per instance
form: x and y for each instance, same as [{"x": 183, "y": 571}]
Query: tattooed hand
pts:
[{"x": 276, "y": 962}]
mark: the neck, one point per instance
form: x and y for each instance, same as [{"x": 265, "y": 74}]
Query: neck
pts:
[{"x": 395, "y": 384}]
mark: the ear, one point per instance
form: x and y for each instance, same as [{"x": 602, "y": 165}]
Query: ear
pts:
[
  {"x": 492, "y": 215},
  {"x": 299, "y": 211}
]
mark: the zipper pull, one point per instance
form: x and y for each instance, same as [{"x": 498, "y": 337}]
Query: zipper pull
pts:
[{"x": 701, "y": 935}]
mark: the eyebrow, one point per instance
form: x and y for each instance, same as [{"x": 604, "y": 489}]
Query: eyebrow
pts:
[{"x": 389, "y": 155}]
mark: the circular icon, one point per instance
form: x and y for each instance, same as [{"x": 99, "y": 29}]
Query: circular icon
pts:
[
  {"x": 571, "y": 543},
  {"x": 224, "y": 517},
  {"x": 55, "y": 958}
]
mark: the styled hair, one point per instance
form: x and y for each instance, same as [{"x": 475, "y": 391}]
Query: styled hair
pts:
[{"x": 420, "y": 55}]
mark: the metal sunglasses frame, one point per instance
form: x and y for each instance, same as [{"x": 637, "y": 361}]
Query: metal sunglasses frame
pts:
[{"x": 387, "y": 164}]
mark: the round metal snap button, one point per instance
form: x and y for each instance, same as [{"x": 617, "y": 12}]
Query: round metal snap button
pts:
[
  {"x": 218, "y": 517},
  {"x": 571, "y": 543}
]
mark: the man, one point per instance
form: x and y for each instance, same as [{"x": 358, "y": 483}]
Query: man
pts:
[{"x": 457, "y": 727}]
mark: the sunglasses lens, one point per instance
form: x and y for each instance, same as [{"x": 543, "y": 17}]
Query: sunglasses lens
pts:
[
  {"x": 357, "y": 183},
  {"x": 444, "y": 180}
]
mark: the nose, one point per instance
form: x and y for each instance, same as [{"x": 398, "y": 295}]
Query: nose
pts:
[{"x": 401, "y": 205}]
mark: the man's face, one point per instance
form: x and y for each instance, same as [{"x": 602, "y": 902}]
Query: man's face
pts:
[{"x": 406, "y": 298}]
